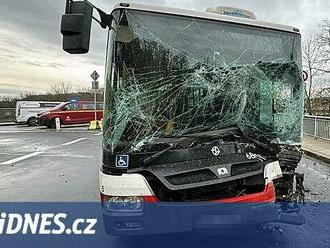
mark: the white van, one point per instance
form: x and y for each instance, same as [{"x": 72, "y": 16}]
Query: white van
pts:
[{"x": 27, "y": 111}]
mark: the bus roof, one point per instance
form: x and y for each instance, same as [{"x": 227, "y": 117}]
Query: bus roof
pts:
[{"x": 206, "y": 15}]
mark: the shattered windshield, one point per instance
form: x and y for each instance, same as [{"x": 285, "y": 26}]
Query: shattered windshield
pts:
[{"x": 173, "y": 75}]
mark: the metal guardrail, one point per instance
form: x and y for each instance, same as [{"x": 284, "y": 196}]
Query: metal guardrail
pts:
[
  {"x": 317, "y": 126},
  {"x": 7, "y": 114}
]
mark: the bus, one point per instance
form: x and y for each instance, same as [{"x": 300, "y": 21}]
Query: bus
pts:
[{"x": 199, "y": 107}]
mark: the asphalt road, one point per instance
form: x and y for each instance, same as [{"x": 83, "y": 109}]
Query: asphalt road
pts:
[
  {"x": 38, "y": 164},
  {"x": 317, "y": 179}
]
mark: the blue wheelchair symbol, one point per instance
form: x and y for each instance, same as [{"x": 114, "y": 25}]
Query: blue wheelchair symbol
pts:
[{"x": 122, "y": 161}]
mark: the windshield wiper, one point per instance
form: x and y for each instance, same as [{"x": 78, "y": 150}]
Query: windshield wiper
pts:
[
  {"x": 214, "y": 133},
  {"x": 157, "y": 155}
]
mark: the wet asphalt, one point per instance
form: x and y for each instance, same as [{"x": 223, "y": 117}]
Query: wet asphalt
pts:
[
  {"x": 317, "y": 179},
  {"x": 64, "y": 166}
]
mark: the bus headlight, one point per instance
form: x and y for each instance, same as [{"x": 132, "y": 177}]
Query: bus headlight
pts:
[{"x": 123, "y": 203}]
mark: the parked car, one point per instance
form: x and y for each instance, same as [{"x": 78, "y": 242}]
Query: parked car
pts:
[
  {"x": 78, "y": 112},
  {"x": 27, "y": 111}
]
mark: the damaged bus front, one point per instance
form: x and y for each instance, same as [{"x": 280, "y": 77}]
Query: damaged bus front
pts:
[{"x": 199, "y": 108}]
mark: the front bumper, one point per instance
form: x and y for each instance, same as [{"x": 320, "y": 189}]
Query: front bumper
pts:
[
  {"x": 43, "y": 121},
  {"x": 167, "y": 217},
  {"x": 224, "y": 218},
  {"x": 158, "y": 217},
  {"x": 268, "y": 195}
]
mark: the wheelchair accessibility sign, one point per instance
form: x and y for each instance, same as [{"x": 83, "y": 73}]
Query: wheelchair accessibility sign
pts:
[{"x": 122, "y": 161}]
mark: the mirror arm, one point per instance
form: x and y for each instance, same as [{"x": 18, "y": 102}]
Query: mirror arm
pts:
[{"x": 106, "y": 19}]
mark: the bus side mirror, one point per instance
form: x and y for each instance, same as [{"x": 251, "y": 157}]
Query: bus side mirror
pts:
[{"x": 76, "y": 26}]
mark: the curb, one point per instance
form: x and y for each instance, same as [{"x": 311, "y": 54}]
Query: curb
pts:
[
  {"x": 4, "y": 124},
  {"x": 316, "y": 155}
]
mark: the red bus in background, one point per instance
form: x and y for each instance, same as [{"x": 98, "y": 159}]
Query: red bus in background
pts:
[{"x": 77, "y": 112}]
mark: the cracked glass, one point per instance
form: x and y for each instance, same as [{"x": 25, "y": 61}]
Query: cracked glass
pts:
[{"x": 170, "y": 76}]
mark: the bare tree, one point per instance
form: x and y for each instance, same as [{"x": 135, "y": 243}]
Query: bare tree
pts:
[
  {"x": 60, "y": 88},
  {"x": 313, "y": 58},
  {"x": 324, "y": 42}
]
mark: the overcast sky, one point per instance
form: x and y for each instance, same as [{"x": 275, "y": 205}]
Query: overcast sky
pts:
[{"x": 31, "y": 56}]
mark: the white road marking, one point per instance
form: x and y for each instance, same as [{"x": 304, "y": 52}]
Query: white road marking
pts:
[
  {"x": 98, "y": 134},
  {"x": 42, "y": 131},
  {"x": 15, "y": 160},
  {"x": 18, "y": 159},
  {"x": 45, "y": 155},
  {"x": 73, "y": 142}
]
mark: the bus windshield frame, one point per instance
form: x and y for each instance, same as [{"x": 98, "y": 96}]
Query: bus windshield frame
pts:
[{"x": 170, "y": 75}]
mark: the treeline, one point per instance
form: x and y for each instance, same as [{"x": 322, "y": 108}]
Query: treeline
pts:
[
  {"x": 320, "y": 106},
  {"x": 61, "y": 92}
]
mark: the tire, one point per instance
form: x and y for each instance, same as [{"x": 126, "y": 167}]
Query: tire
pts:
[
  {"x": 32, "y": 121},
  {"x": 52, "y": 124}
]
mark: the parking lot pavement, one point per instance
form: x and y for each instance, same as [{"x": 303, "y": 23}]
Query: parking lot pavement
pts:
[{"x": 37, "y": 164}]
